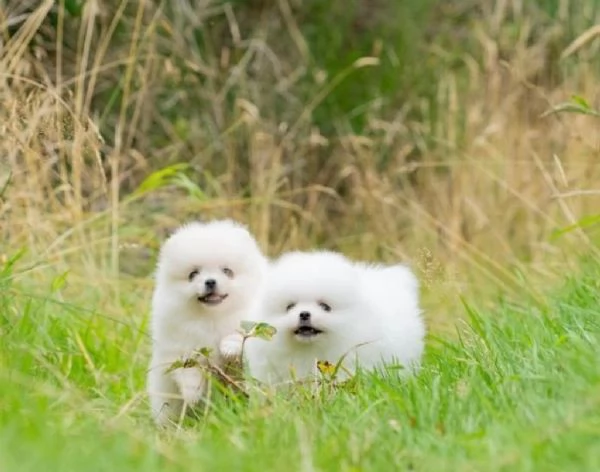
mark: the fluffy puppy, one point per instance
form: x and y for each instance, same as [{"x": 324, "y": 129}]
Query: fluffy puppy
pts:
[
  {"x": 207, "y": 278},
  {"x": 325, "y": 307}
]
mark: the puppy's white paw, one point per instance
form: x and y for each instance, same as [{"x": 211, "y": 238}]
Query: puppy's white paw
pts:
[
  {"x": 192, "y": 393},
  {"x": 230, "y": 346},
  {"x": 191, "y": 384}
]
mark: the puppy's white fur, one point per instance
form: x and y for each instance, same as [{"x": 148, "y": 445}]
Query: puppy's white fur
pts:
[
  {"x": 220, "y": 251},
  {"x": 371, "y": 313}
]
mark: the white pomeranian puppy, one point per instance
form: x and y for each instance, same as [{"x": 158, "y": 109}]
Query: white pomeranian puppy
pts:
[
  {"x": 207, "y": 278},
  {"x": 325, "y": 307}
]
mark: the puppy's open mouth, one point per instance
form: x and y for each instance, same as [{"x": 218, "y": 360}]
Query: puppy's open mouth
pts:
[
  {"x": 307, "y": 331},
  {"x": 212, "y": 298}
]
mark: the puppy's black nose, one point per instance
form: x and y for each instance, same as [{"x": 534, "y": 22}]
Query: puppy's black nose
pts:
[
  {"x": 210, "y": 284},
  {"x": 304, "y": 316}
]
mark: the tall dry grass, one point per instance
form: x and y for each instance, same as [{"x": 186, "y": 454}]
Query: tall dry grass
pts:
[{"x": 470, "y": 193}]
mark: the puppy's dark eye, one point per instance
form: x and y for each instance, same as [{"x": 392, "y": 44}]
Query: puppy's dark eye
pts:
[
  {"x": 325, "y": 306},
  {"x": 289, "y": 306},
  {"x": 228, "y": 272},
  {"x": 193, "y": 274}
]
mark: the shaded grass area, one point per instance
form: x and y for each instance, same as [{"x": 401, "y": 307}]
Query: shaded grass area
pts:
[{"x": 518, "y": 389}]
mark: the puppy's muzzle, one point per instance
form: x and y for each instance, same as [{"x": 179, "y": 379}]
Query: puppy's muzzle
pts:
[
  {"x": 211, "y": 296},
  {"x": 305, "y": 328}
]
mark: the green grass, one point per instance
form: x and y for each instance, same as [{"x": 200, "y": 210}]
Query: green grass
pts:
[{"x": 518, "y": 390}]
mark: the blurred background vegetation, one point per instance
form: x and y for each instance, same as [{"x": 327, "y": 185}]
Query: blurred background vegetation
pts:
[{"x": 414, "y": 130}]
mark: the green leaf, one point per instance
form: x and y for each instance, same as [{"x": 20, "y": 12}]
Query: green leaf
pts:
[
  {"x": 74, "y": 7},
  {"x": 578, "y": 105},
  {"x": 161, "y": 178},
  {"x": 585, "y": 222},
  {"x": 261, "y": 330},
  {"x": 264, "y": 331},
  {"x": 582, "y": 102},
  {"x": 7, "y": 264},
  {"x": 59, "y": 282},
  {"x": 394, "y": 367},
  {"x": 184, "y": 182},
  {"x": 204, "y": 351},
  {"x": 190, "y": 362},
  {"x": 178, "y": 364}
]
